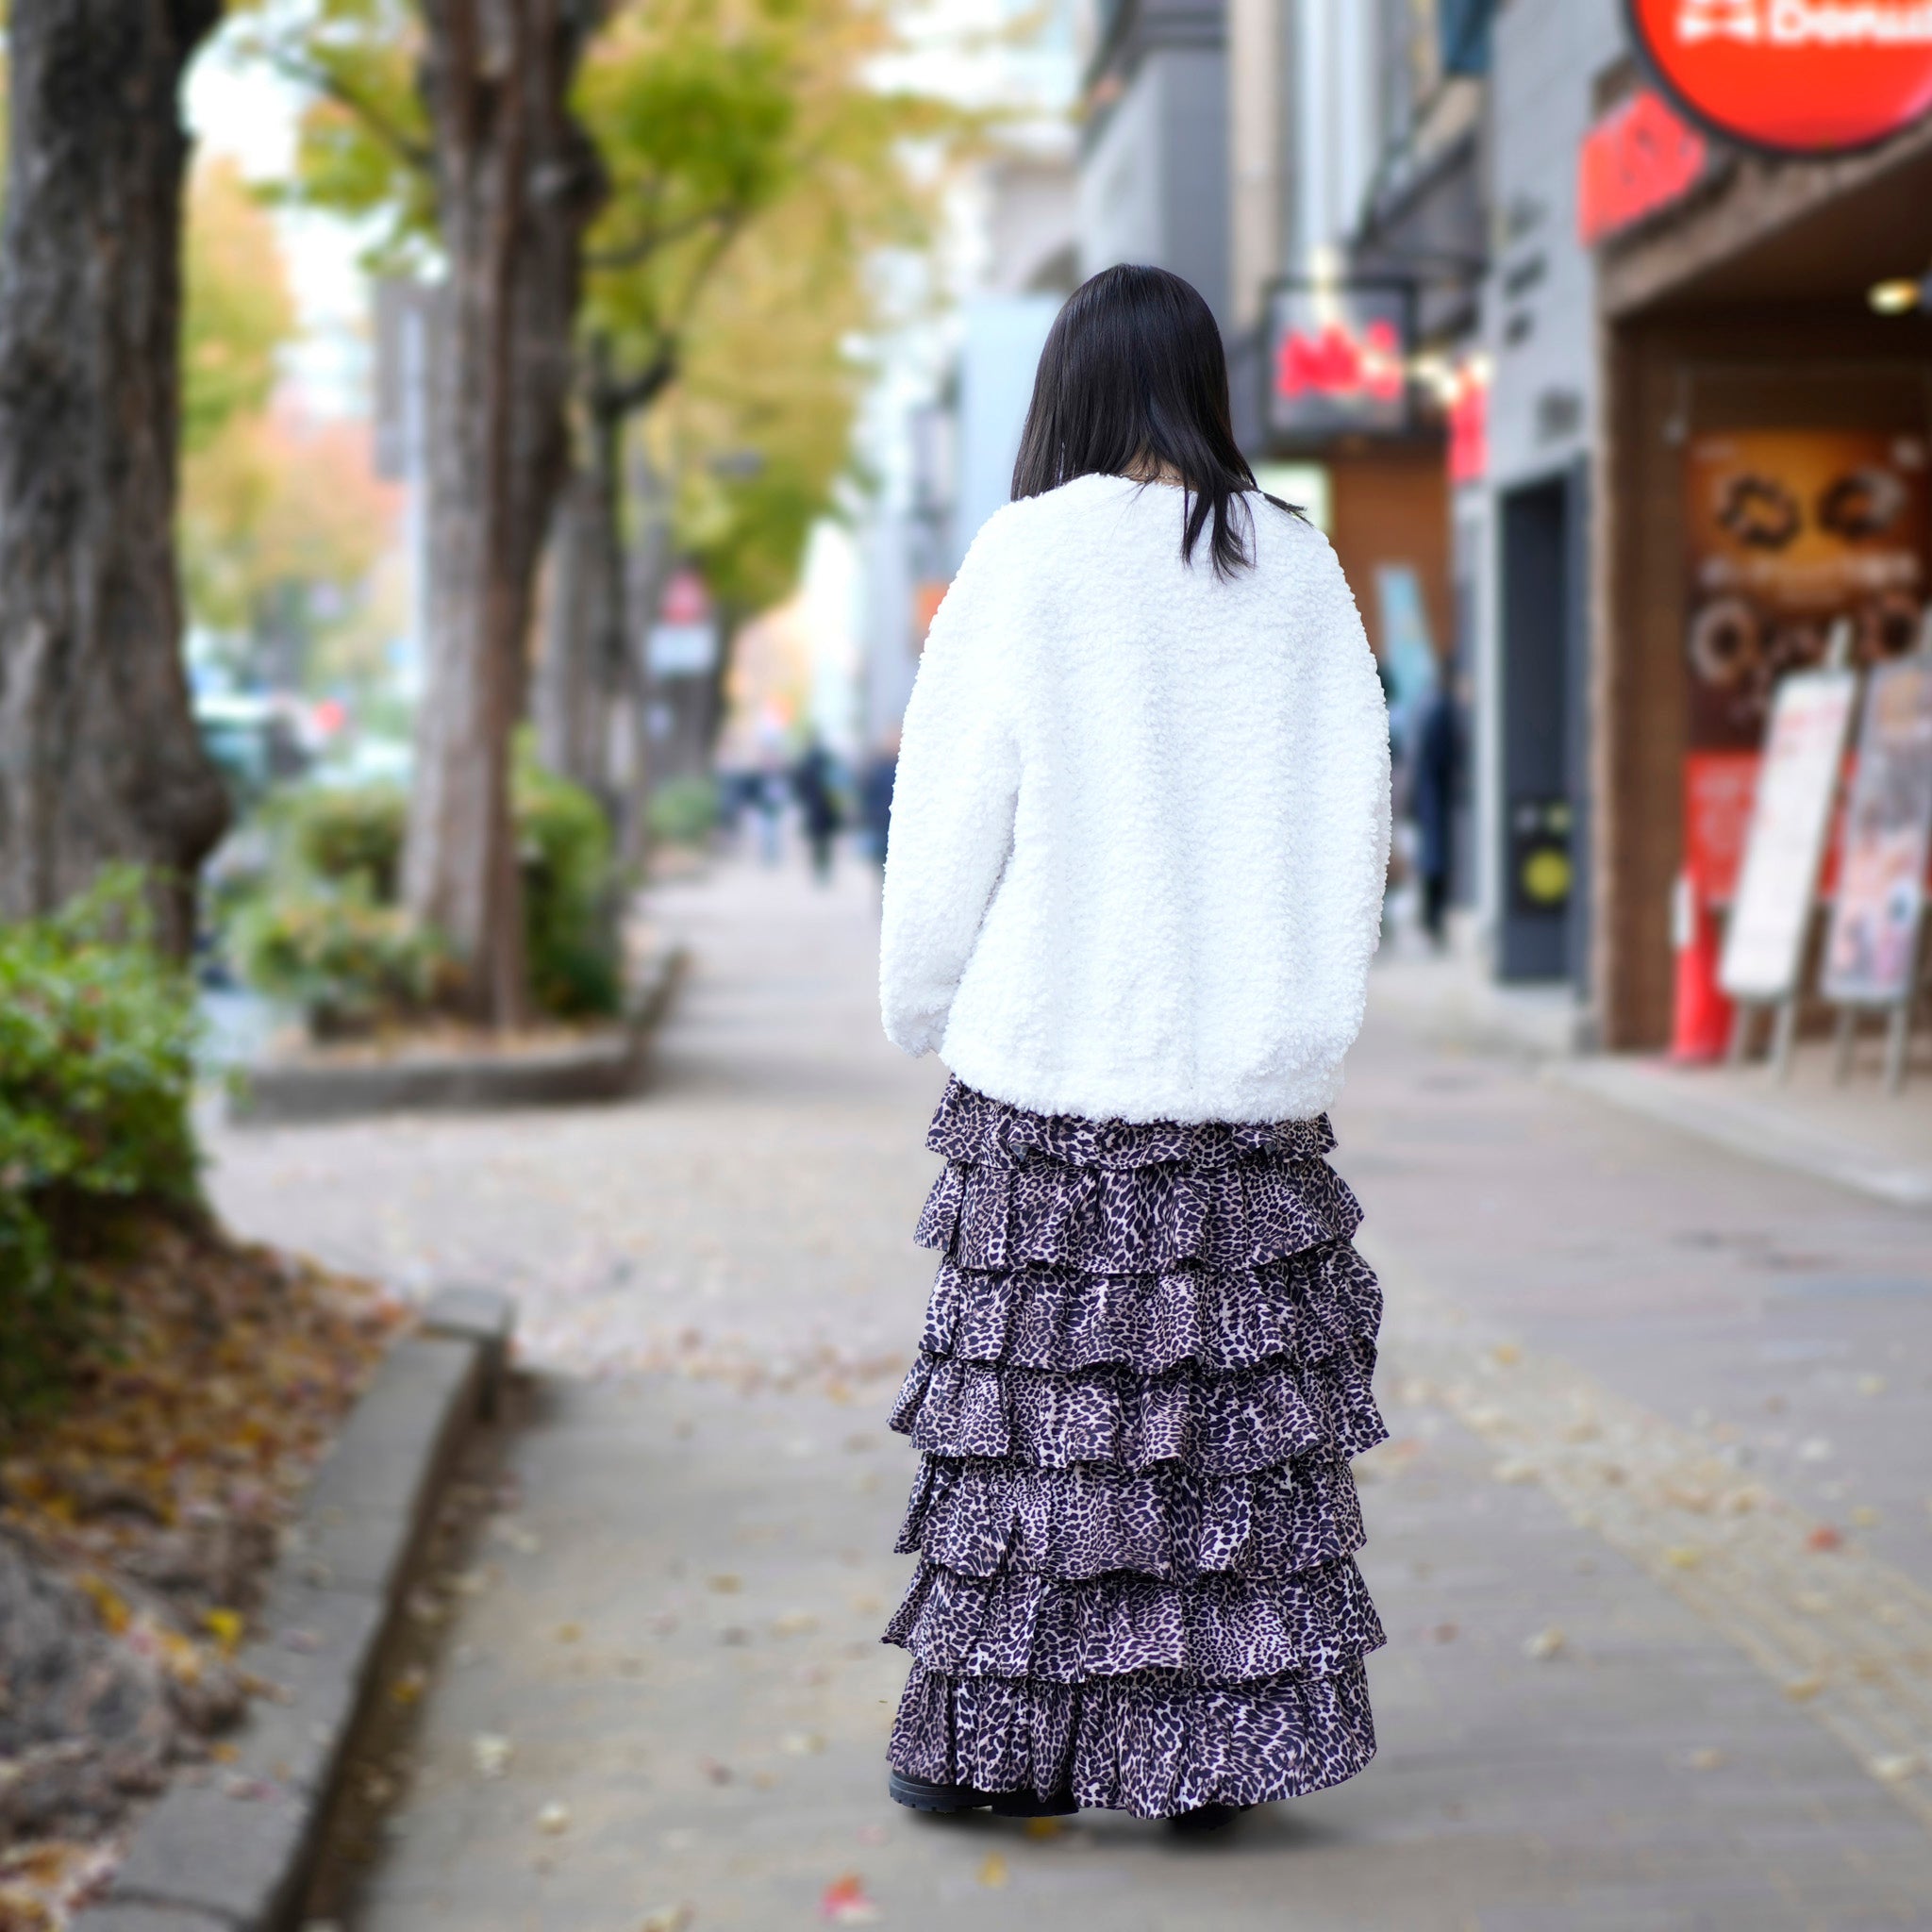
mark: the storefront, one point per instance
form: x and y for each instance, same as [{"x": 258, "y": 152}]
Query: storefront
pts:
[
  {"x": 1765, "y": 382},
  {"x": 1348, "y": 437}
]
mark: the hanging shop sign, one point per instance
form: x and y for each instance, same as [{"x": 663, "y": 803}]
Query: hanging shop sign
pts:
[
  {"x": 1871, "y": 955},
  {"x": 1771, "y": 913},
  {"x": 1639, "y": 158},
  {"x": 1786, "y": 531},
  {"x": 1338, "y": 360},
  {"x": 1806, "y": 77}
]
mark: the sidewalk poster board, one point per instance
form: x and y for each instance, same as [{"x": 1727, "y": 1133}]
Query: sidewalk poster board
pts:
[
  {"x": 1770, "y": 912},
  {"x": 1871, "y": 955},
  {"x": 1786, "y": 531}
]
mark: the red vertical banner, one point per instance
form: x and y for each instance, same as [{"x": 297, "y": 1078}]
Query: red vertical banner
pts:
[{"x": 1638, "y": 158}]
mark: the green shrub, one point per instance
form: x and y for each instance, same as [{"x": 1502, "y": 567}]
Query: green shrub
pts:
[
  {"x": 351, "y": 833},
  {"x": 683, "y": 812},
  {"x": 98, "y": 1035},
  {"x": 324, "y": 929},
  {"x": 350, "y": 965},
  {"x": 570, "y": 925}
]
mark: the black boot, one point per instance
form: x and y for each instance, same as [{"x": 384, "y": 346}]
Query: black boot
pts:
[
  {"x": 1205, "y": 1818},
  {"x": 921, "y": 1794}
]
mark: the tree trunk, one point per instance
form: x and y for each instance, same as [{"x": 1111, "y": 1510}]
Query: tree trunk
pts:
[
  {"x": 581, "y": 673},
  {"x": 517, "y": 181},
  {"x": 563, "y": 704},
  {"x": 100, "y": 760},
  {"x": 647, "y": 570},
  {"x": 592, "y": 702}
]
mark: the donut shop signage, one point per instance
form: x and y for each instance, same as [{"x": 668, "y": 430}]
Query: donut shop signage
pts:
[
  {"x": 1787, "y": 533},
  {"x": 1806, "y": 77}
]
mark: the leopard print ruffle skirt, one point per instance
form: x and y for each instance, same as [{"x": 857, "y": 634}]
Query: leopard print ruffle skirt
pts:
[{"x": 1145, "y": 1367}]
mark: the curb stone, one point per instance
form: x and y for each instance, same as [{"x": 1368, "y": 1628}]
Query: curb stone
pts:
[
  {"x": 1645, "y": 1087},
  {"x": 475, "y": 1314},
  {"x": 659, "y": 981},
  {"x": 229, "y": 1851},
  {"x": 133, "y": 1918},
  {"x": 610, "y": 1065}
]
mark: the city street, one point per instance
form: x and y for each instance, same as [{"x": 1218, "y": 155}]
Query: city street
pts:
[{"x": 1652, "y": 1539}]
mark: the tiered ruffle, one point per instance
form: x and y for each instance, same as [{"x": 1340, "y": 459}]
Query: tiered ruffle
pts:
[
  {"x": 1147, "y": 1362},
  {"x": 1155, "y": 1745}
]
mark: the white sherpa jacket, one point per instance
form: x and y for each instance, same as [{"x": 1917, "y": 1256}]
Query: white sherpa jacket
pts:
[{"x": 1141, "y": 817}]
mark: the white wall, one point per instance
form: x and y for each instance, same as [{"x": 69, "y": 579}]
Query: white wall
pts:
[{"x": 1332, "y": 128}]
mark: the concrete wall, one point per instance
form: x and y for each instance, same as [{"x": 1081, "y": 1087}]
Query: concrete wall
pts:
[
  {"x": 1538, "y": 327},
  {"x": 1539, "y": 303},
  {"x": 1030, "y": 223},
  {"x": 1154, "y": 186}
]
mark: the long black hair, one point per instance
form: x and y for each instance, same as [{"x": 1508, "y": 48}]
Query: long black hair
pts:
[{"x": 1133, "y": 378}]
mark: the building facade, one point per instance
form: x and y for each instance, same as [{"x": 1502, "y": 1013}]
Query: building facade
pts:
[
  {"x": 947, "y": 426},
  {"x": 1153, "y": 171},
  {"x": 1689, "y": 382},
  {"x": 1762, "y": 441},
  {"x": 1557, "y": 370},
  {"x": 1523, "y": 532},
  {"x": 1357, "y": 142}
]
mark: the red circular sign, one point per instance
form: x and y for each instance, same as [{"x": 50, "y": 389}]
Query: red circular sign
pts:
[{"x": 1796, "y": 76}]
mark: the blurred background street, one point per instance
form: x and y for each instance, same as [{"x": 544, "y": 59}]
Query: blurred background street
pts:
[{"x": 1628, "y": 1373}]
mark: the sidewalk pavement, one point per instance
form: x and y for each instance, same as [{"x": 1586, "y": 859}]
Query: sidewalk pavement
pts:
[
  {"x": 1855, "y": 1135},
  {"x": 1651, "y": 1541}
]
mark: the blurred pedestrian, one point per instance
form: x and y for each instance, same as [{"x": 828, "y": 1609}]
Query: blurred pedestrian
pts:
[
  {"x": 1138, "y": 846},
  {"x": 814, "y": 785},
  {"x": 737, "y": 789},
  {"x": 766, "y": 795},
  {"x": 1435, "y": 777}
]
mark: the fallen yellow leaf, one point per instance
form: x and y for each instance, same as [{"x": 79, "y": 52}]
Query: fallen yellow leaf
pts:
[{"x": 109, "y": 1605}]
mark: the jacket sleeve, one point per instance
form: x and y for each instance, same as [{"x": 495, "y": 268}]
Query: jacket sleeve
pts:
[{"x": 953, "y": 802}]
